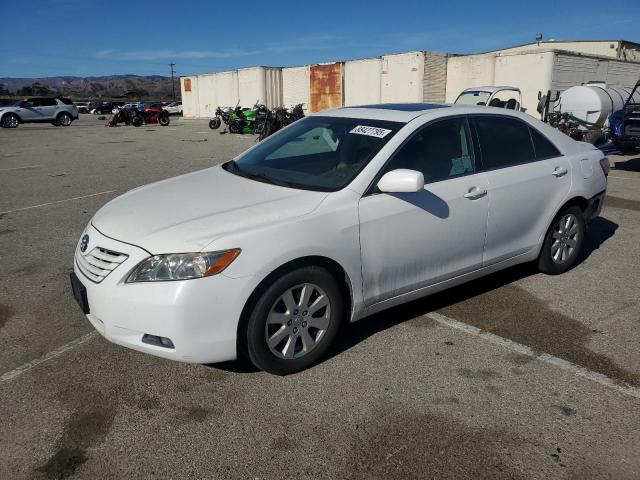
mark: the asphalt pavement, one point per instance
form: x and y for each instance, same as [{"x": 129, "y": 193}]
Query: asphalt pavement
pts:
[{"x": 517, "y": 375}]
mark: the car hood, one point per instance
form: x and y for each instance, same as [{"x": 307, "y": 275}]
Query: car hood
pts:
[{"x": 186, "y": 213}]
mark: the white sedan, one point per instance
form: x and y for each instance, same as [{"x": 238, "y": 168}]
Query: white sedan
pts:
[{"x": 338, "y": 216}]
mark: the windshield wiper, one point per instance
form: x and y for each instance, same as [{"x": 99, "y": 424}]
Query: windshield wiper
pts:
[{"x": 259, "y": 177}]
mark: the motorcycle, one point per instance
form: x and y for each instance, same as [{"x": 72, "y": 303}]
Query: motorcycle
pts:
[
  {"x": 279, "y": 118},
  {"x": 150, "y": 115},
  {"x": 119, "y": 115},
  {"x": 223, "y": 114}
]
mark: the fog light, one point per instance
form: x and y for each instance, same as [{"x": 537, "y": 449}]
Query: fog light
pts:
[{"x": 157, "y": 341}]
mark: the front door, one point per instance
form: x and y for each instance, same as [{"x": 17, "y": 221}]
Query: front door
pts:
[{"x": 412, "y": 240}]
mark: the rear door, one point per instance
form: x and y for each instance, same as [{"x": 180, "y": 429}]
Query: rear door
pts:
[
  {"x": 49, "y": 108},
  {"x": 30, "y": 110},
  {"x": 528, "y": 180}
]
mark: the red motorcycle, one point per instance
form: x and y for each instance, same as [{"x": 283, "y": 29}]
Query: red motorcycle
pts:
[{"x": 150, "y": 115}]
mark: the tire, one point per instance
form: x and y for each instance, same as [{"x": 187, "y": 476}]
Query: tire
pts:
[
  {"x": 214, "y": 123},
  {"x": 235, "y": 127},
  {"x": 137, "y": 121},
  {"x": 311, "y": 331},
  {"x": 63, "y": 119},
  {"x": 561, "y": 248},
  {"x": 10, "y": 120},
  {"x": 164, "y": 120}
]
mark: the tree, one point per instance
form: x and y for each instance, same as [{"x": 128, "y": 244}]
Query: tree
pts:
[
  {"x": 25, "y": 91},
  {"x": 3, "y": 90}
]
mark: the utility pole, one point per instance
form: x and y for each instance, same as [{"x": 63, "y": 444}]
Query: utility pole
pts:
[{"x": 173, "y": 85}]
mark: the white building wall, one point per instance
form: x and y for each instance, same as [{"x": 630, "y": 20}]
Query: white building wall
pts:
[
  {"x": 295, "y": 86},
  {"x": 189, "y": 95},
  {"x": 599, "y": 48},
  {"x": 530, "y": 72},
  {"x": 468, "y": 71},
  {"x": 206, "y": 93},
  {"x": 402, "y": 77},
  {"x": 226, "y": 87},
  {"x": 362, "y": 80}
]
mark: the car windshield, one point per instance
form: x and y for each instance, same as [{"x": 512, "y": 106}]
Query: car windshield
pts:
[
  {"x": 473, "y": 98},
  {"x": 316, "y": 153}
]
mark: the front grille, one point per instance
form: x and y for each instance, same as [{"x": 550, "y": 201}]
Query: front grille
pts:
[{"x": 99, "y": 262}]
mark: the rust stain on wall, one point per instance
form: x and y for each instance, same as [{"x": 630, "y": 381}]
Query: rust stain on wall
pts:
[
  {"x": 187, "y": 84},
  {"x": 325, "y": 86}
]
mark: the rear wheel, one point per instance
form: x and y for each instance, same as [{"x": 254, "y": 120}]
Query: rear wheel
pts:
[
  {"x": 563, "y": 242},
  {"x": 295, "y": 321},
  {"x": 10, "y": 120}
]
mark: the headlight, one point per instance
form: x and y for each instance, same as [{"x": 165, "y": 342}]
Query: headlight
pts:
[{"x": 182, "y": 266}]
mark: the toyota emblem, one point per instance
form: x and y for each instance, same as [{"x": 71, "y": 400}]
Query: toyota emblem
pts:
[{"x": 84, "y": 243}]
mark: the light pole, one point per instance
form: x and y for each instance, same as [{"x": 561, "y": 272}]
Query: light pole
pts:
[{"x": 173, "y": 85}]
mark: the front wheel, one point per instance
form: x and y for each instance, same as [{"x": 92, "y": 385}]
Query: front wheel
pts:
[
  {"x": 10, "y": 120},
  {"x": 295, "y": 321},
  {"x": 214, "y": 123},
  {"x": 137, "y": 121},
  {"x": 563, "y": 242}
]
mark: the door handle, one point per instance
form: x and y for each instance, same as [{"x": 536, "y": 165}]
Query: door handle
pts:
[
  {"x": 559, "y": 172},
  {"x": 474, "y": 193}
]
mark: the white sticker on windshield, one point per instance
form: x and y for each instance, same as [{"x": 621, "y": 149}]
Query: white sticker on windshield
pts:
[{"x": 371, "y": 131}]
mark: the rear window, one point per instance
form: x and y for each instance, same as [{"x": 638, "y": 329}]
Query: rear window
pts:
[
  {"x": 503, "y": 142},
  {"x": 543, "y": 147}
]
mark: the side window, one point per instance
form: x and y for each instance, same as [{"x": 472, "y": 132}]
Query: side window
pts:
[
  {"x": 543, "y": 147},
  {"x": 504, "y": 142},
  {"x": 441, "y": 150},
  {"x": 49, "y": 102},
  {"x": 35, "y": 102}
]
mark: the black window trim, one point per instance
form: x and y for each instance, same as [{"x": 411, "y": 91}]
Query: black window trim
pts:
[
  {"x": 372, "y": 189},
  {"x": 472, "y": 120}
]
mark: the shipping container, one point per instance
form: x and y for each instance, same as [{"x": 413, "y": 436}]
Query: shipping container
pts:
[
  {"x": 189, "y": 95},
  {"x": 362, "y": 81},
  {"x": 326, "y": 86},
  {"x": 295, "y": 87},
  {"x": 260, "y": 85},
  {"x": 402, "y": 77}
]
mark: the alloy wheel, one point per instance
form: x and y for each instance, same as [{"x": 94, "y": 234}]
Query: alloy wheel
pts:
[
  {"x": 565, "y": 238},
  {"x": 297, "y": 321}
]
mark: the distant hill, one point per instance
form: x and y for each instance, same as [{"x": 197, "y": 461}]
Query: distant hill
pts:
[{"x": 113, "y": 86}]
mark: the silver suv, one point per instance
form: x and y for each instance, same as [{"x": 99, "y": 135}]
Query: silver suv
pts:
[{"x": 57, "y": 111}]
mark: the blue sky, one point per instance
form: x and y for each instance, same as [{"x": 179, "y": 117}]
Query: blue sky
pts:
[{"x": 96, "y": 37}]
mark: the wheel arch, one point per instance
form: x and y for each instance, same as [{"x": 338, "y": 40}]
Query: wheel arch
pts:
[
  {"x": 578, "y": 200},
  {"x": 338, "y": 272}
]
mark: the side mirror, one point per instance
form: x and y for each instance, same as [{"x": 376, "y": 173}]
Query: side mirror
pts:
[{"x": 401, "y": 181}]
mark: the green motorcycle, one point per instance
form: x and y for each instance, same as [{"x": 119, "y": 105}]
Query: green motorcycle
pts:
[{"x": 247, "y": 120}]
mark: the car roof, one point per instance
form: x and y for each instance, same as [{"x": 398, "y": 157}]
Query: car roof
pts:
[
  {"x": 395, "y": 112},
  {"x": 490, "y": 89}
]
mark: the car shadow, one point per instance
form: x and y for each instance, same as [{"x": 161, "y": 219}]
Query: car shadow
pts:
[
  {"x": 631, "y": 165},
  {"x": 599, "y": 231}
]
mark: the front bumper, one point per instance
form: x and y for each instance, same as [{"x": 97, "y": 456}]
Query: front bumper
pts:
[{"x": 199, "y": 316}]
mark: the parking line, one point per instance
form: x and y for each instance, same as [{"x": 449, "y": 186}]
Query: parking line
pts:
[
  {"x": 56, "y": 202},
  {"x": 537, "y": 355},
  {"x": 623, "y": 178},
  {"x": 16, "y": 372},
  {"x": 27, "y": 167}
]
